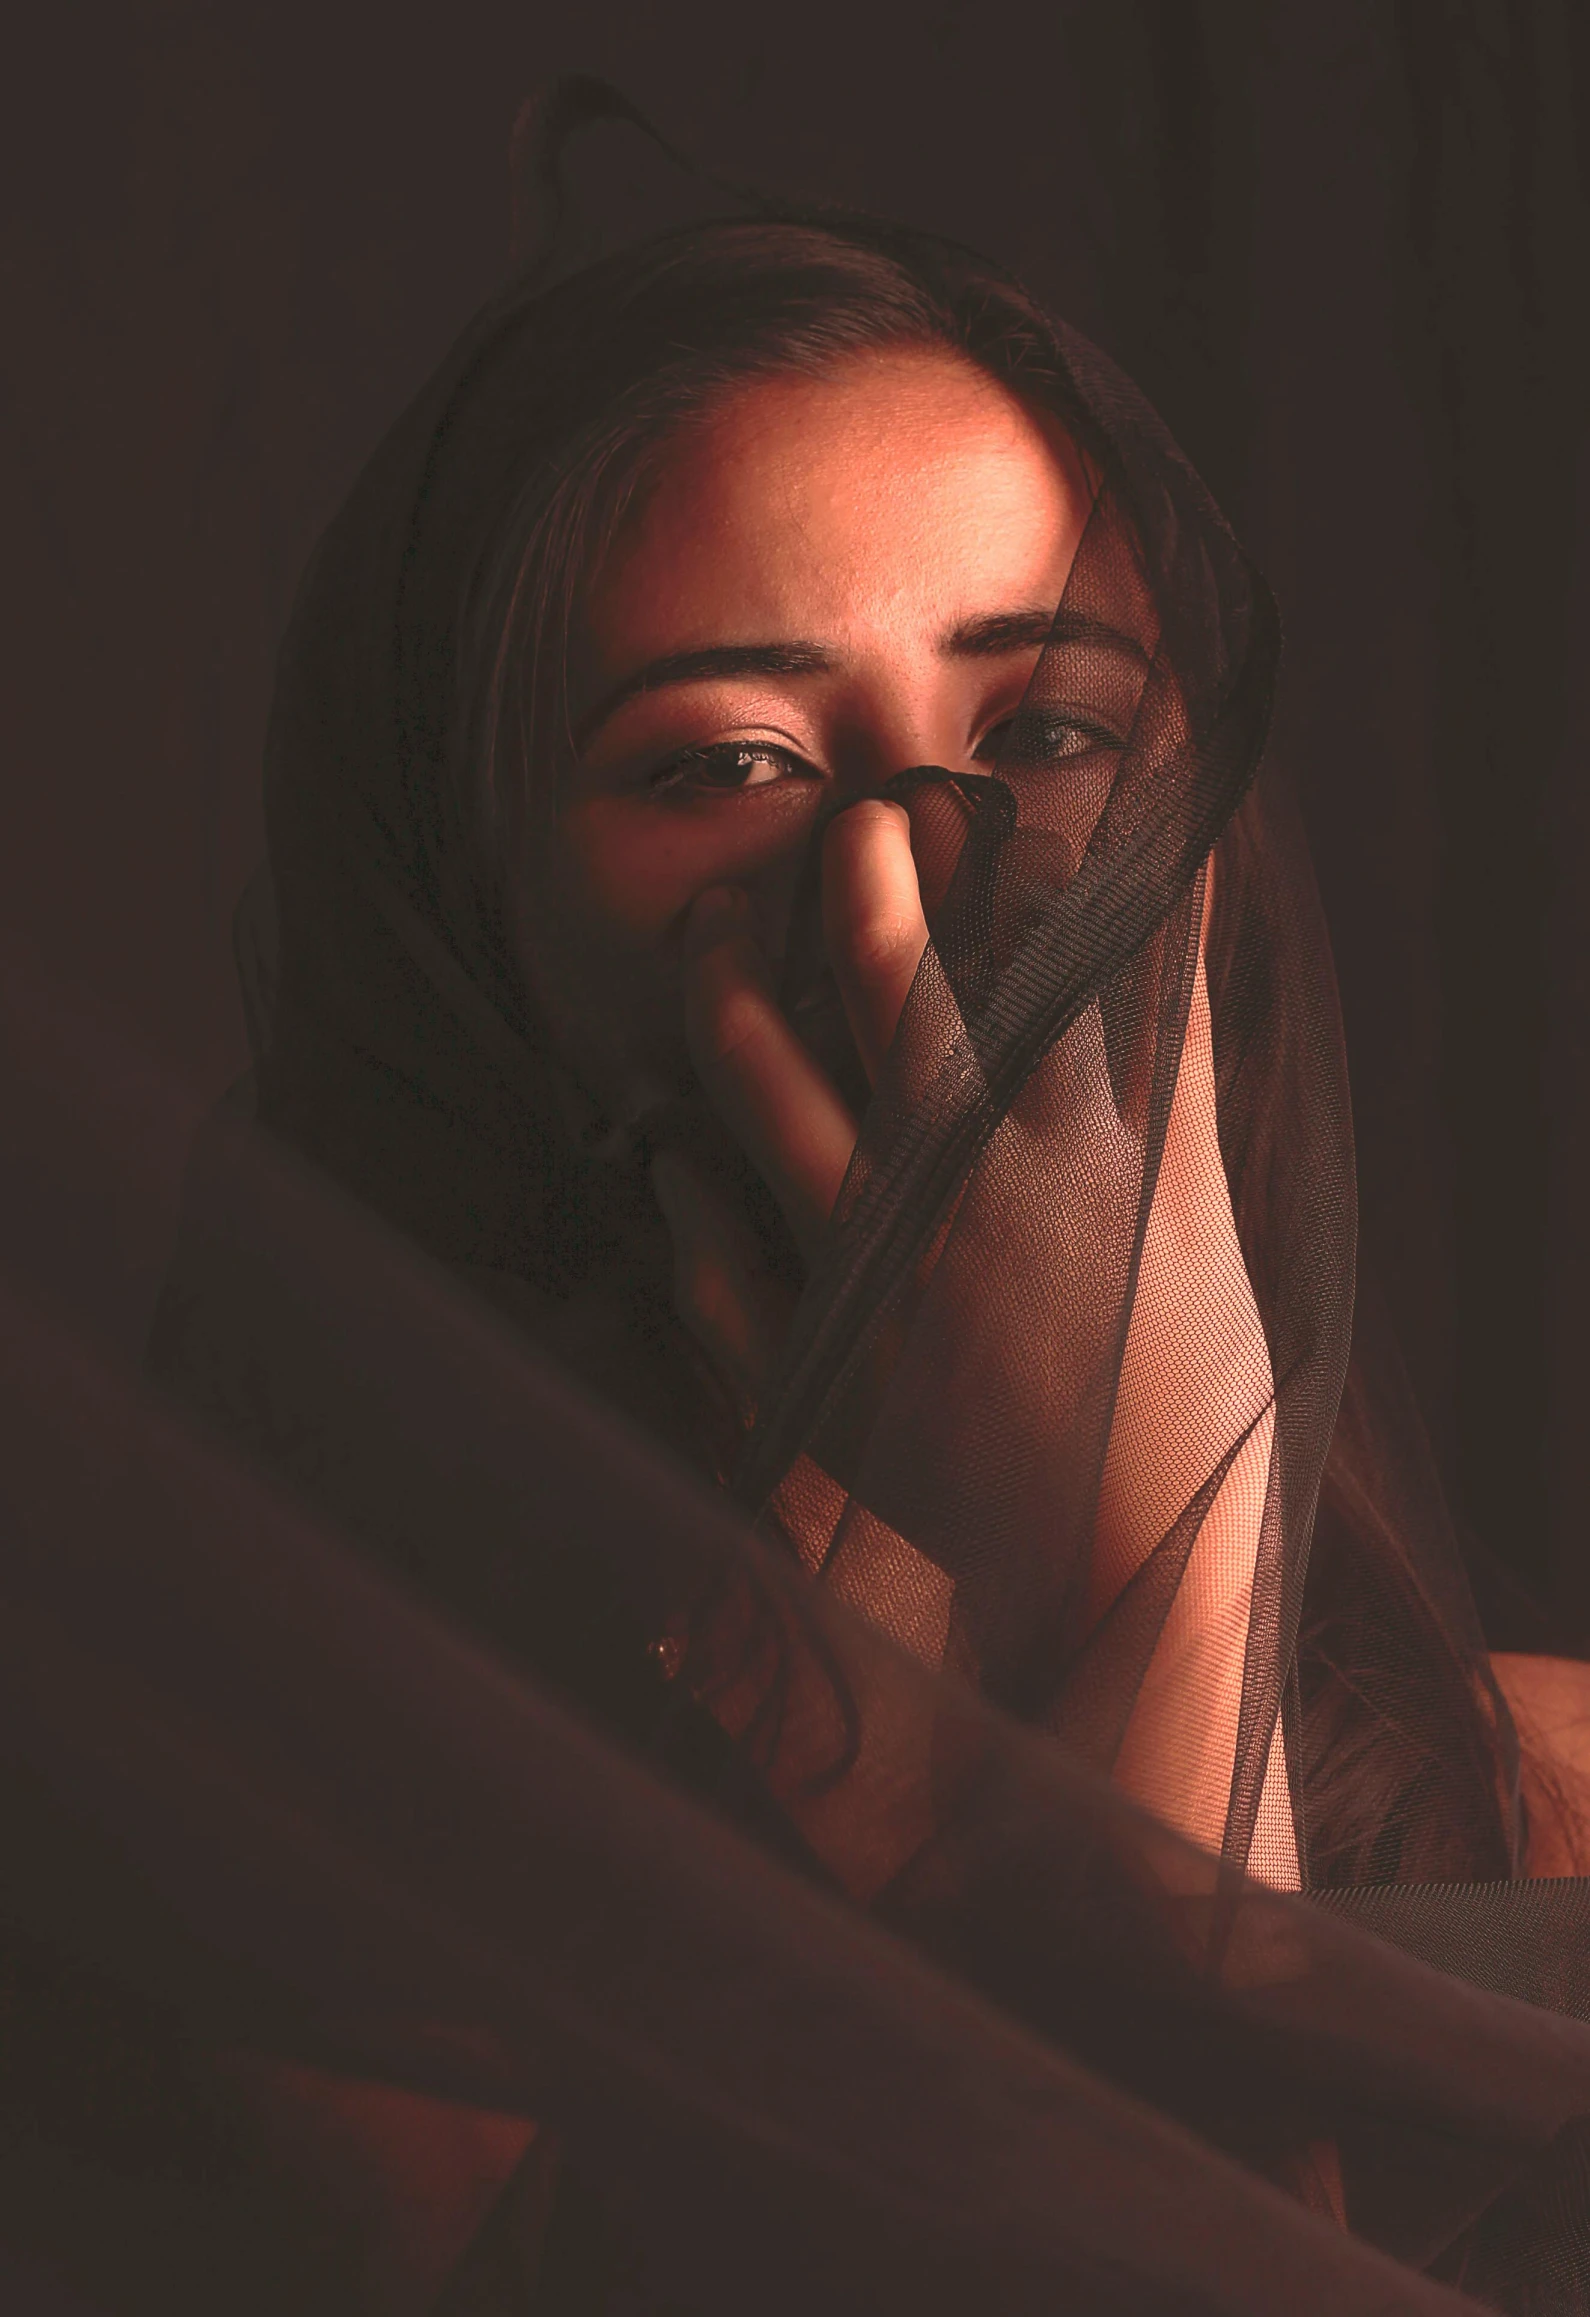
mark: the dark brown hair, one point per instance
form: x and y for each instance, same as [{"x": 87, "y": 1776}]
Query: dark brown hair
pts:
[
  {"x": 542, "y": 432},
  {"x": 627, "y": 352}
]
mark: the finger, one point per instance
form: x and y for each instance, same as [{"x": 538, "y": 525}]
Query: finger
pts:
[
  {"x": 781, "y": 1108},
  {"x": 735, "y": 1311},
  {"x": 940, "y": 820},
  {"x": 872, "y": 920}
]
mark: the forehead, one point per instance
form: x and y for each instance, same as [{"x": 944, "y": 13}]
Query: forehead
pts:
[{"x": 903, "y": 486}]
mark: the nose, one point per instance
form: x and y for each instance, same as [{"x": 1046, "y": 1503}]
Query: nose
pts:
[
  {"x": 900, "y": 785},
  {"x": 893, "y": 717}
]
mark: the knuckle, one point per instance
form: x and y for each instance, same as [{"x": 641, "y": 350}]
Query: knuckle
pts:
[
  {"x": 734, "y": 1028},
  {"x": 879, "y": 939}
]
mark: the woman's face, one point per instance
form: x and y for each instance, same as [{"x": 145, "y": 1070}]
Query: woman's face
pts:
[{"x": 828, "y": 580}]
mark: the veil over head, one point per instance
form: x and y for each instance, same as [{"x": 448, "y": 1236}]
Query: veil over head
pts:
[{"x": 1033, "y": 1641}]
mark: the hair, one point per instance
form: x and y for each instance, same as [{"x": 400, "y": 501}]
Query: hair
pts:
[
  {"x": 633, "y": 350},
  {"x": 558, "y": 412}
]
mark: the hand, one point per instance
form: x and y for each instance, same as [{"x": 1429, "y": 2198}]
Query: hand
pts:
[
  {"x": 777, "y": 1101},
  {"x": 1195, "y": 1374}
]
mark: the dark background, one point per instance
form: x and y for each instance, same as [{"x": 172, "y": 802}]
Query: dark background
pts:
[{"x": 1342, "y": 246}]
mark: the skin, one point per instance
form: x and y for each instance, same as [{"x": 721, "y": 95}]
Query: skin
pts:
[
  {"x": 1550, "y": 1701},
  {"x": 870, "y": 515},
  {"x": 876, "y": 515},
  {"x": 906, "y": 524},
  {"x": 912, "y": 526},
  {"x": 885, "y": 546}
]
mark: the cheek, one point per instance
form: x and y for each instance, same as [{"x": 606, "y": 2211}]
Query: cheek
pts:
[
  {"x": 628, "y": 872},
  {"x": 632, "y": 872}
]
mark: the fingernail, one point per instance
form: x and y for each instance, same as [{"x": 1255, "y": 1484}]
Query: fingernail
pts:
[{"x": 869, "y": 805}]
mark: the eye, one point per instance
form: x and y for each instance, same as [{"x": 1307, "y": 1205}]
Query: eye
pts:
[
  {"x": 728, "y": 767},
  {"x": 1039, "y": 737}
]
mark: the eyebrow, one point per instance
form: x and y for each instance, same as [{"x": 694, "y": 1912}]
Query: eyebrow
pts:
[
  {"x": 992, "y": 637},
  {"x": 700, "y": 667}
]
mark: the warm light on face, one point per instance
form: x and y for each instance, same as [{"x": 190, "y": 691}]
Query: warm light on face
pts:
[{"x": 831, "y": 578}]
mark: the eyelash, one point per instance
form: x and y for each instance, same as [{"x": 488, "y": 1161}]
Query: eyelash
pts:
[
  {"x": 1031, "y": 739},
  {"x": 675, "y": 774},
  {"x": 1036, "y": 738}
]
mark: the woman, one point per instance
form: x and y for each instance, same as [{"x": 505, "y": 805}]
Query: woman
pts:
[{"x": 770, "y": 886}]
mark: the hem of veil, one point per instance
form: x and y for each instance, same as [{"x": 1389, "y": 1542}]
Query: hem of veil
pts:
[{"x": 1529, "y": 1938}]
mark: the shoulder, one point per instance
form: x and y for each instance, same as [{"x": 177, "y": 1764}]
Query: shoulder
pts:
[{"x": 1550, "y": 1702}]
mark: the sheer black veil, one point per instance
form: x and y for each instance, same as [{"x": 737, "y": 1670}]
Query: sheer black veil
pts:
[{"x": 831, "y": 1859}]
